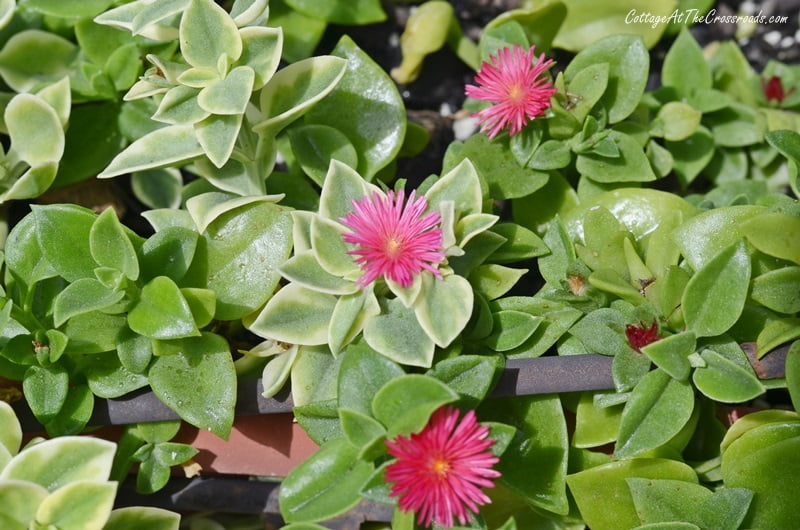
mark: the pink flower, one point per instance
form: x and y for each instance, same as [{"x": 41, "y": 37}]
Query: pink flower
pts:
[
  {"x": 518, "y": 88},
  {"x": 773, "y": 89},
  {"x": 439, "y": 472},
  {"x": 640, "y": 336},
  {"x": 394, "y": 239}
]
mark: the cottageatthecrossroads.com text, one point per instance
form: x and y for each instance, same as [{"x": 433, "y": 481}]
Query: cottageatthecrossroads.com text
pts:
[{"x": 694, "y": 16}]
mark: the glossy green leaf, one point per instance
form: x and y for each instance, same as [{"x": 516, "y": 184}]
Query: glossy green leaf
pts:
[
  {"x": 108, "y": 378},
  {"x": 586, "y": 87},
  {"x": 631, "y": 166},
  {"x": 595, "y": 426},
  {"x": 425, "y": 32},
  {"x": 691, "y": 155},
  {"x": 657, "y": 410},
  {"x": 726, "y": 381},
  {"x": 774, "y": 233},
  {"x": 593, "y": 503},
  {"x": 229, "y": 95},
  {"x": 510, "y": 329},
  {"x": 793, "y": 373},
  {"x": 243, "y": 249},
  {"x": 764, "y": 460},
  {"x": 277, "y": 370},
  {"x": 405, "y": 404},
  {"x": 197, "y": 380},
  {"x": 675, "y": 121},
  {"x": 207, "y": 33},
  {"x": 363, "y": 431},
  {"x": 684, "y": 56},
  {"x": 349, "y": 316},
  {"x": 324, "y": 485},
  {"x": 327, "y": 242},
  {"x": 304, "y": 270},
  {"x": 534, "y": 466},
  {"x": 397, "y": 334},
  {"x": 11, "y": 434},
  {"x": 671, "y": 354},
  {"x": 110, "y": 245},
  {"x": 162, "y": 312},
  {"x": 296, "y": 315},
  {"x": 45, "y": 389},
  {"x": 293, "y": 90},
  {"x": 261, "y": 51},
  {"x": 168, "y": 252},
  {"x": 82, "y": 296},
  {"x": 778, "y": 290},
  {"x": 60, "y": 461},
  {"x": 715, "y": 295},
  {"x": 63, "y": 233},
  {"x": 19, "y": 501},
  {"x": 444, "y": 307},
  {"x": 179, "y": 106},
  {"x": 366, "y": 107},
  {"x": 320, "y": 420},
  {"x": 628, "y": 65},
  {"x": 472, "y": 376},
  {"x": 667, "y": 500},
  {"x": 35, "y": 130},
  {"x": 81, "y": 505},
  {"x": 316, "y": 145}
]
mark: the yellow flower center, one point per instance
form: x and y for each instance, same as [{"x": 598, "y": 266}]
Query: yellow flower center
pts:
[
  {"x": 440, "y": 467},
  {"x": 393, "y": 247},
  {"x": 516, "y": 93}
]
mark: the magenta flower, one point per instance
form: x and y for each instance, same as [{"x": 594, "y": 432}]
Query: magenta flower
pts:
[
  {"x": 640, "y": 336},
  {"x": 439, "y": 472},
  {"x": 516, "y": 85},
  {"x": 394, "y": 239}
]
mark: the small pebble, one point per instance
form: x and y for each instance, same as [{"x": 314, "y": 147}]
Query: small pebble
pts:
[
  {"x": 747, "y": 8},
  {"x": 445, "y": 109},
  {"x": 787, "y": 42},
  {"x": 464, "y": 128},
  {"x": 773, "y": 38}
]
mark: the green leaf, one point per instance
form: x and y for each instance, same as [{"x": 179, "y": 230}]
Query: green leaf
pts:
[
  {"x": 366, "y": 107},
  {"x": 33, "y": 58},
  {"x": 108, "y": 378},
  {"x": 217, "y": 135},
  {"x": 715, "y": 295},
  {"x": 137, "y": 517},
  {"x": 404, "y": 404},
  {"x": 168, "y": 252},
  {"x": 293, "y": 90},
  {"x": 657, "y": 410},
  {"x": 320, "y": 420},
  {"x": 296, "y": 315},
  {"x": 179, "y": 106},
  {"x": 397, "y": 334},
  {"x": 45, "y": 389},
  {"x": 472, "y": 376},
  {"x": 362, "y": 373},
  {"x": 774, "y": 233},
  {"x": 198, "y": 381},
  {"x": 691, "y": 155},
  {"x": 628, "y": 66},
  {"x": 11, "y": 433},
  {"x": 19, "y": 501},
  {"x": 81, "y": 505},
  {"x": 777, "y": 289},
  {"x": 324, "y": 485},
  {"x": 229, "y": 95},
  {"x": 349, "y": 316},
  {"x": 631, "y": 166},
  {"x": 364, "y": 432},
  {"x": 60, "y": 461},
  {"x": 726, "y": 381},
  {"x": 167, "y": 146},
  {"x": 63, "y": 233},
  {"x": 586, "y": 88},
  {"x": 162, "y": 312},
  {"x": 207, "y": 33},
  {"x": 675, "y": 121},
  {"x": 352, "y": 13},
  {"x": 240, "y": 258},
  {"x": 534, "y": 466},
  {"x": 592, "y": 500},
  {"x": 510, "y": 329},
  {"x": 444, "y": 307},
  {"x": 595, "y": 425},
  {"x": 305, "y": 270},
  {"x": 261, "y": 51},
  {"x": 671, "y": 354},
  {"x": 82, "y": 296},
  {"x": 37, "y": 135},
  {"x": 56, "y": 8},
  {"x": 764, "y": 460},
  {"x": 110, "y": 245},
  {"x": 277, "y": 371},
  {"x": 684, "y": 56},
  {"x": 667, "y": 500},
  {"x": 460, "y": 185},
  {"x": 316, "y": 145}
]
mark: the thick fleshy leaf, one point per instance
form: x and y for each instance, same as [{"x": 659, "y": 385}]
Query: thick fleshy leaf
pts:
[
  {"x": 45, "y": 389},
  {"x": 534, "y": 466},
  {"x": 137, "y": 517},
  {"x": 684, "y": 56},
  {"x": 57, "y": 462},
  {"x": 162, "y": 312},
  {"x": 34, "y": 58},
  {"x": 35, "y": 130},
  {"x": 594, "y": 425},
  {"x": 293, "y": 90},
  {"x": 342, "y": 186},
  {"x": 11, "y": 433},
  {"x": 364, "y": 432},
  {"x": 19, "y": 501},
  {"x": 327, "y": 241},
  {"x": 366, "y": 106},
  {"x": 197, "y": 379},
  {"x": 239, "y": 261},
  {"x": 82, "y": 296},
  {"x": 354, "y": 13},
  {"x": 691, "y": 155},
  {"x": 80, "y": 505},
  {"x": 726, "y": 381},
  {"x": 628, "y": 63},
  {"x": 276, "y": 372},
  {"x": 349, "y": 316},
  {"x": 657, "y": 410},
  {"x": 778, "y": 289},
  {"x": 304, "y": 269},
  {"x": 168, "y": 252},
  {"x": 666, "y": 500},
  {"x": 63, "y": 233},
  {"x": 325, "y": 485},
  {"x": 296, "y": 315},
  {"x": 510, "y": 329},
  {"x": 593, "y": 503},
  {"x": 675, "y": 121},
  {"x": 472, "y": 376},
  {"x": 207, "y": 33},
  {"x": 631, "y": 166},
  {"x": 715, "y": 295},
  {"x": 179, "y": 106},
  {"x": 217, "y": 135},
  {"x": 110, "y": 245},
  {"x": 229, "y": 95},
  {"x": 764, "y": 460},
  {"x": 261, "y": 51},
  {"x": 316, "y": 145},
  {"x": 361, "y": 375},
  {"x": 460, "y": 185},
  {"x": 671, "y": 354},
  {"x": 171, "y": 145},
  {"x": 405, "y": 404},
  {"x": 108, "y": 378},
  {"x": 444, "y": 307},
  {"x": 774, "y": 233},
  {"x": 397, "y": 334}
]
